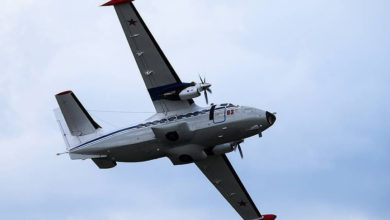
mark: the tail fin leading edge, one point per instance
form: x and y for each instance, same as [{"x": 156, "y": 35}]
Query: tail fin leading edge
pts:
[{"x": 70, "y": 140}]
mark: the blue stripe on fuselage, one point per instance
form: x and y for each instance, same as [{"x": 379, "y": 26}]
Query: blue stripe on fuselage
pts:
[
  {"x": 96, "y": 139},
  {"x": 115, "y": 132}
]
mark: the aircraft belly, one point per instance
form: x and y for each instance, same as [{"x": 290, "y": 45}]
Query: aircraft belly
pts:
[
  {"x": 133, "y": 147},
  {"x": 144, "y": 151},
  {"x": 124, "y": 140},
  {"x": 229, "y": 131}
]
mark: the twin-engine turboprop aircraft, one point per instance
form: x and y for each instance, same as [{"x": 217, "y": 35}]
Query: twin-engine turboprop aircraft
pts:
[{"x": 180, "y": 130}]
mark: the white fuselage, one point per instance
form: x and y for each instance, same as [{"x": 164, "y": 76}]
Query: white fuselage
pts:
[{"x": 197, "y": 130}]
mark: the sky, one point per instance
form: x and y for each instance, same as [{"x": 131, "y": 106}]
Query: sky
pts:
[{"x": 323, "y": 66}]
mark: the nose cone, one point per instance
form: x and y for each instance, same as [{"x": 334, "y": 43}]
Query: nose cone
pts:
[{"x": 271, "y": 118}]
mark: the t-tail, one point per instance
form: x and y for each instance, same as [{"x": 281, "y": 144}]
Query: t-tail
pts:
[{"x": 76, "y": 125}]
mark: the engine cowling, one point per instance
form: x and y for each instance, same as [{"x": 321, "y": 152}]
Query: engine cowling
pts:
[
  {"x": 223, "y": 149},
  {"x": 189, "y": 93}
]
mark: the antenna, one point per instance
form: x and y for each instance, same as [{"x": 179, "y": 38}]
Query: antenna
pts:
[{"x": 59, "y": 154}]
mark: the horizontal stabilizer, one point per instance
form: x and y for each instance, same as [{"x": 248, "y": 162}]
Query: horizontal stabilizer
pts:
[{"x": 77, "y": 118}]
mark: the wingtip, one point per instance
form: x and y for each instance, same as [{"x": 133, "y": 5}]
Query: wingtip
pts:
[
  {"x": 269, "y": 217},
  {"x": 116, "y": 2},
  {"x": 64, "y": 93}
]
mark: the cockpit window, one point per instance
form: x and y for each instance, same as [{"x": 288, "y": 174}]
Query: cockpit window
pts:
[{"x": 228, "y": 105}]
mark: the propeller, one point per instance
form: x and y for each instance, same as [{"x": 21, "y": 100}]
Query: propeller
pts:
[
  {"x": 205, "y": 87},
  {"x": 237, "y": 145}
]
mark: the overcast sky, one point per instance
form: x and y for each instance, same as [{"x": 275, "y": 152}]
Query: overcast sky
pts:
[{"x": 323, "y": 66}]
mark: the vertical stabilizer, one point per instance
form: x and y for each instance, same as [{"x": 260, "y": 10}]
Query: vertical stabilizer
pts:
[{"x": 78, "y": 120}]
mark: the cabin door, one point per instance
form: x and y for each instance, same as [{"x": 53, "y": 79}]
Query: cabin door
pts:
[{"x": 219, "y": 114}]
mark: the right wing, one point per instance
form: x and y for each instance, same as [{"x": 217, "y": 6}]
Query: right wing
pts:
[
  {"x": 158, "y": 74},
  {"x": 221, "y": 174}
]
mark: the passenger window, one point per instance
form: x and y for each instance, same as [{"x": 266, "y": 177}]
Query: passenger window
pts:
[
  {"x": 172, "y": 118},
  {"x": 155, "y": 122},
  {"x": 180, "y": 117},
  {"x": 148, "y": 124},
  {"x": 188, "y": 115},
  {"x": 163, "y": 120},
  {"x": 196, "y": 113},
  {"x": 140, "y": 125}
]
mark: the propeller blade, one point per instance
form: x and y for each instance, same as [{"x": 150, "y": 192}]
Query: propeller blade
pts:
[
  {"x": 201, "y": 80},
  {"x": 205, "y": 87},
  {"x": 239, "y": 149}
]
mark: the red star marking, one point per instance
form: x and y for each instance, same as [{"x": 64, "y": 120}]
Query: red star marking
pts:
[
  {"x": 132, "y": 22},
  {"x": 242, "y": 203}
]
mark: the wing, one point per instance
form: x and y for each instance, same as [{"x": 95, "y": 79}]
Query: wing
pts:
[
  {"x": 221, "y": 174},
  {"x": 156, "y": 71}
]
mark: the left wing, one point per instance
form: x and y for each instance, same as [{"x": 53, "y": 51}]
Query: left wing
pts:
[
  {"x": 158, "y": 74},
  {"x": 221, "y": 174}
]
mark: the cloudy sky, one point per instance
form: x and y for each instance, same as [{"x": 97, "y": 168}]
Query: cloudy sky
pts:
[{"x": 322, "y": 65}]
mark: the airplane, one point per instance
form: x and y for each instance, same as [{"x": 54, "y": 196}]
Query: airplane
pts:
[{"x": 180, "y": 130}]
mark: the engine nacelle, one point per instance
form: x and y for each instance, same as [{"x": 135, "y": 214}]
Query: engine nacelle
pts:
[
  {"x": 223, "y": 149},
  {"x": 186, "y": 154},
  {"x": 189, "y": 93}
]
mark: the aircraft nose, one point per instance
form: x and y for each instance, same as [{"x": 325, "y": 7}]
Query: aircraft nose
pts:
[{"x": 271, "y": 118}]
